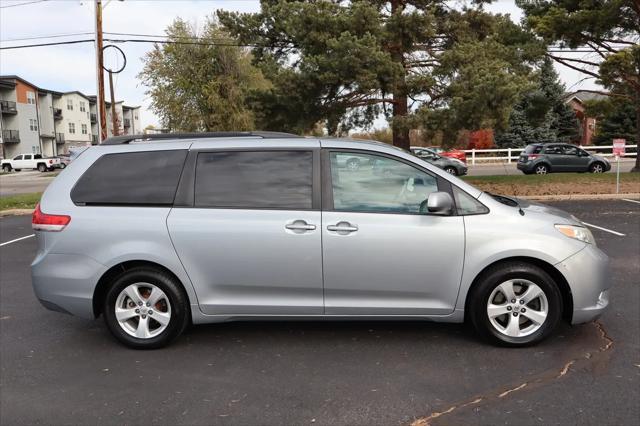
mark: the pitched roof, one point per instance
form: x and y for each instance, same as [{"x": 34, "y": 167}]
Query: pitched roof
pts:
[{"x": 583, "y": 96}]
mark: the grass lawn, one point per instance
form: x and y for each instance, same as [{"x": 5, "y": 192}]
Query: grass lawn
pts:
[
  {"x": 21, "y": 201},
  {"x": 556, "y": 183}
]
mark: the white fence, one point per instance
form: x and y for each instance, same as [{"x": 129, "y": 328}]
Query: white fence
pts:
[{"x": 514, "y": 153}]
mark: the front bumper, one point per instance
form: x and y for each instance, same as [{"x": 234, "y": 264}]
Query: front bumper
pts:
[{"x": 587, "y": 273}]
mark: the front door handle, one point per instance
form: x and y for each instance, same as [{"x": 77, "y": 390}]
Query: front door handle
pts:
[
  {"x": 300, "y": 226},
  {"x": 343, "y": 228}
]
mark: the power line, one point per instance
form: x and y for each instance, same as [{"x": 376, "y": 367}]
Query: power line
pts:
[
  {"x": 46, "y": 37},
  {"x": 22, "y": 4},
  {"x": 213, "y": 43}
]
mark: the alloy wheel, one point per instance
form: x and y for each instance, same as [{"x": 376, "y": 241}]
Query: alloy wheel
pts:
[
  {"x": 541, "y": 170},
  {"x": 597, "y": 168},
  {"x": 143, "y": 310},
  {"x": 517, "y": 308}
]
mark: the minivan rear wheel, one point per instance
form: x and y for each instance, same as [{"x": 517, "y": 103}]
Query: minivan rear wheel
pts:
[
  {"x": 515, "y": 304},
  {"x": 145, "y": 308},
  {"x": 541, "y": 169}
]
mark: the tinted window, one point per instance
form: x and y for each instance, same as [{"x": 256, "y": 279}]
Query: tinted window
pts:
[
  {"x": 37, "y": 157},
  {"x": 553, "y": 149},
  {"x": 533, "y": 149},
  {"x": 19, "y": 157},
  {"x": 255, "y": 179},
  {"x": 372, "y": 183},
  {"x": 133, "y": 178}
]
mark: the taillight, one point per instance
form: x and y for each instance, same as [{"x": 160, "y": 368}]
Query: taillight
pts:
[
  {"x": 50, "y": 161},
  {"x": 533, "y": 156},
  {"x": 48, "y": 222}
]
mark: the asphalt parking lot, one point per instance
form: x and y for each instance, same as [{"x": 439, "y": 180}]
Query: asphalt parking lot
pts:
[{"x": 56, "y": 369}]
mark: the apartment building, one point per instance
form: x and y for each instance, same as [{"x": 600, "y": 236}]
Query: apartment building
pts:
[
  {"x": 127, "y": 118},
  {"x": 38, "y": 120}
]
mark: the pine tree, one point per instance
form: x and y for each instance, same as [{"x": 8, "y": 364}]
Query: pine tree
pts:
[{"x": 541, "y": 116}]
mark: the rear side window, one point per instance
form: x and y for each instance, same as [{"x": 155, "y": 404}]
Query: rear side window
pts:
[
  {"x": 553, "y": 149},
  {"x": 533, "y": 149},
  {"x": 132, "y": 178},
  {"x": 255, "y": 179}
]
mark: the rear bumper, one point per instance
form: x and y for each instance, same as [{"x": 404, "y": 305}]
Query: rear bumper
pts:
[
  {"x": 587, "y": 273},
  {"x": 65, "y": 283},
  {"x": 525, "y": 167}
]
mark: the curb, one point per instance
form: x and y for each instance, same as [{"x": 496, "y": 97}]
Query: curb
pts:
[
  {"x": 15, "y": 212},
  {"x": 566, "y": 197}
]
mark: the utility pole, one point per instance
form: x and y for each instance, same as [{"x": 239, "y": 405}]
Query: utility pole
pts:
[
  {"x": 101, "y": 110},
  {"x": 114, "y": 117}
]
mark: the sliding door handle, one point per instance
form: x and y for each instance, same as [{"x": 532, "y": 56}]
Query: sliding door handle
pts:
[
  {"x": 300, "y": 226},
  {"x": 343, "y": 228}
]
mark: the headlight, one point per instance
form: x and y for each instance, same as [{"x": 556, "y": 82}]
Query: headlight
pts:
[{"x": 577, "y": 232}]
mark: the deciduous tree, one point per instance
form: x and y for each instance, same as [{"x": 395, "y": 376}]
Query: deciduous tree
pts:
[{"x": 202, "y": 81}]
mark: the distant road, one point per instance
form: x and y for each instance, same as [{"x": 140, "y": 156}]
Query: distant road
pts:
[{"x": 510, "y": 169}]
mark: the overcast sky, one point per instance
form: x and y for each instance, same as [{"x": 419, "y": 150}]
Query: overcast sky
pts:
[{"x": 72, "y": 67}]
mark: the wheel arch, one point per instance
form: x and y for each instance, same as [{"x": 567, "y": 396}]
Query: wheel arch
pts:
[
  {"x": 558, "y": 278},
  {"x": 543, "y": 163},
  {"x": 100, "y": 291}
]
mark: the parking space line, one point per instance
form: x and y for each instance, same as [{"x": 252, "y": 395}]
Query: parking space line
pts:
[
  {"x": 631, "y": 201},
  {"x": 17, "y": 239},
  {"x": 605, "y": 229}
]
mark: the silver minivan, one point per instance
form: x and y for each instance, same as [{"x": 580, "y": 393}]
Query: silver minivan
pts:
[{"x": 158, "y": 232}]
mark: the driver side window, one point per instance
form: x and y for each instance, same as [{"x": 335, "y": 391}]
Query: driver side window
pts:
[{"x": 378, "y": 184}]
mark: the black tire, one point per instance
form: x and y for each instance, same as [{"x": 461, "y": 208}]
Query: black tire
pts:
[
  {"x": 177, "y": 298},
  {"x": 62, "y": 166},
  {"x": 451, "y": 170},
  {"x": 6, "y": 168},
  {"x": 492, "y": 278},
  {"x": 541, "y": 169},
  {"x": 42, "y": 167},
  {"x": 596, "y": 167}
]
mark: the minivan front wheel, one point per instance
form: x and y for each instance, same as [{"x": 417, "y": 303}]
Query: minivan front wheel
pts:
[
  {"x": 515, "y": 304},
  {"x": 145, "y": 308}
]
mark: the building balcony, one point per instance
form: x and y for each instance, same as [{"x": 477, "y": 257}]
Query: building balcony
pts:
[
  {"x": 94, "y": 139},
  {"x": 127, "y": 122},
  {"x": 57, "y": 114},
  {"x": 59, "y": 138},
  {"x": 94, "y": 118},
  {"x": 8, "y": 107},
  {"x": 10, "y": 136}
]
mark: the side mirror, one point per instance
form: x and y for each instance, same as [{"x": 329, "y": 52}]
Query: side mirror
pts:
[{"x": 440, "y": 203}]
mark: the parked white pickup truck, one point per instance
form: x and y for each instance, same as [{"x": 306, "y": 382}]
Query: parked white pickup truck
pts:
[{"x": 30, "y": 161}]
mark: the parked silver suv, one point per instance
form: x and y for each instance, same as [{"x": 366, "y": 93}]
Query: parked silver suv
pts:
[{"x": 159, "y": 233}]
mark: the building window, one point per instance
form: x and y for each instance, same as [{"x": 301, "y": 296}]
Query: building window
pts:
[
  {"x": 70, "y": 104},
  {"x": 84, "y": 129},
  {"x": 82, "y": 106},
  {"x": 33, "y": 125},
  {"x": 135, "y": 117},
  {"x": 31, "y": 98},
  {"x": 72, "y": 128}
]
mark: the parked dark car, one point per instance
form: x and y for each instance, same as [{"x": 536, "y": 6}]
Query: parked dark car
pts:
[
  {"x": 449, "y": 165},
  {"x": 559, "y": 157}
]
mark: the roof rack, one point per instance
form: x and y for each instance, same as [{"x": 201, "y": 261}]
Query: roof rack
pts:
[{"x": 122, "y": 140}]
